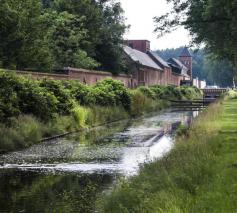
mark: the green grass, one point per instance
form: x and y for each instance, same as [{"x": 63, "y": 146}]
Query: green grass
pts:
[{"x": 198, "y": 175}]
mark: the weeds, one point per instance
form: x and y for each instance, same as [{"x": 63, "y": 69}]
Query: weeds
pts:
[
  {"x": 25, "y": 132},
  {"x": 80, "y": 115},
  {"x": 196, "y": 176}
]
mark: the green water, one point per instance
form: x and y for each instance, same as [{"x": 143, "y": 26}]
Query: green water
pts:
[{"x": 41, "y": 192}]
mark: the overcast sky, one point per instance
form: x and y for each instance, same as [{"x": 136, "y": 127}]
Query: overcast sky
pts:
[{"x": 140, "y": 13}]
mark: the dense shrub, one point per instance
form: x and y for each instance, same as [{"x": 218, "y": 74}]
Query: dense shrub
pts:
[
  {"x": 82, "y": 93},
  {"x": 171, "y": 92},
  {"x": 147, "y": 91},
  {"x": 46, "y": 98},
  {"x": 157, "y": 90},
  {"x": 112, "y": 92},
  {"x": 104, "y": 97},
  {"x": 35, "y": 100},
  {"x": 190, "y": 92},
  {"x": 63, "y": 95},
  {"x": 9, "y": 107},
  {"x": 32, "y": 109},
  {"x": 21, "y": 95}
]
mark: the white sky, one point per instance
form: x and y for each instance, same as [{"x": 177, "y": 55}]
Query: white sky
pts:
[{"x": 140, "y": 13}]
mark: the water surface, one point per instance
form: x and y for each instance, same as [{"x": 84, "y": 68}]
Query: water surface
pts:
[{"x": 67, "y": 175}]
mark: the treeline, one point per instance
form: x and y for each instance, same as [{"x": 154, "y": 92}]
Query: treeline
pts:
[
  {"x": 50, "y": 34},
  {"x": 206, "y": 67},
  {"x": 210, "y": 23},
  {"x": 34, "y": 109}
]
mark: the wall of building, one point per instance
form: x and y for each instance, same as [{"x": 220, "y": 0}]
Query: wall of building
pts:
[
  {"x": 176, "y": 79},
  {"x": 149, "y": 77},
  {"x": 88, "y": 77},
  {"x": 199, "y": 84},
  {"x": 42, "y": 75},
  {"x": 152, "y": 77},
  {"x": 188, "y": 62},
  {"x": 141, "y": 76}
]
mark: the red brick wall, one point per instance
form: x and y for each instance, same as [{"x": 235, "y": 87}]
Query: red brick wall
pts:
[
  {"x": 41, "y": 75},
  {"x": 143, "y": 76},
  {"x": 149, "y": 77},
  {"x": 89, "y": 77},
  {"x": 175, "y": 79}
]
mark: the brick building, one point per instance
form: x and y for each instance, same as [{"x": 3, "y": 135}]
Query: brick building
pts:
[
  {"x": 147, "y": 68},
  {"x": 186, "y": 58},
  {"x": 144, "y": 66}
]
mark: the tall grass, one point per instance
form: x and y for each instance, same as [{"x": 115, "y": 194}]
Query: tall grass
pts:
[
  {"x": 191, "y": 178},
  {"x": 142, "y": 104},
  {"x": 102, "y": 115},
  {"x": 59, "y": 125},
  {"x": 80, "y": 115},
  {"x": 25, "y": 131}
]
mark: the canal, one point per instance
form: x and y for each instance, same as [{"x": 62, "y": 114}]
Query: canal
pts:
[{"x": 71, "y": 173}]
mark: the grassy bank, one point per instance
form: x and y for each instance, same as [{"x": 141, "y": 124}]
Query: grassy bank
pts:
[
  {"x": 198, "y": 175},
  {"x": 34, "y": 109}
]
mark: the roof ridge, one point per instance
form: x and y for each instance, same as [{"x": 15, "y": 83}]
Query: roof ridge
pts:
[
  {"x": 141, "y": 57},
  {"x": 185, "y": 52}
]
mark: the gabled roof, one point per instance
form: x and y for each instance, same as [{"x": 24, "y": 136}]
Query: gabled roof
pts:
[
  {"x": 173, "y": 62},
  {"x": 178, "y": 63},
  {"x": 185, "y": 53},
  {"x": 160, "y": 61},
  {"x": 141, "y": 58}
]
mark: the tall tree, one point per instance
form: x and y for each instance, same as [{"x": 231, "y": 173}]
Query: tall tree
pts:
[
  {"x": 206, "y": 66},
  {"x": 66, "y": 35},
  {"x": 23, "y": 43},
  {"x": 218, "y": 72},
  {"x": 109, "y": 49},
  {"x": 104, "y": 23},
  {"x": 45, "y": 34},
  {"x": 211, "y": 22}
]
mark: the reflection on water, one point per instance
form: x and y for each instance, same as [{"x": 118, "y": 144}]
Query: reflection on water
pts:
[
  {"x": 66, "y": 175},
  {"x": 35, "y": 192}
]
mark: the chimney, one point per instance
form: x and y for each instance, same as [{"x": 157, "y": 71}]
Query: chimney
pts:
[{"x": 141, "y": 45}]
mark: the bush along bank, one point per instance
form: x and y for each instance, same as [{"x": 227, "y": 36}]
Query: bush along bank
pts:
[
  {"x": 198, "y": 175},
  {"x": 34, "y": 109}
]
